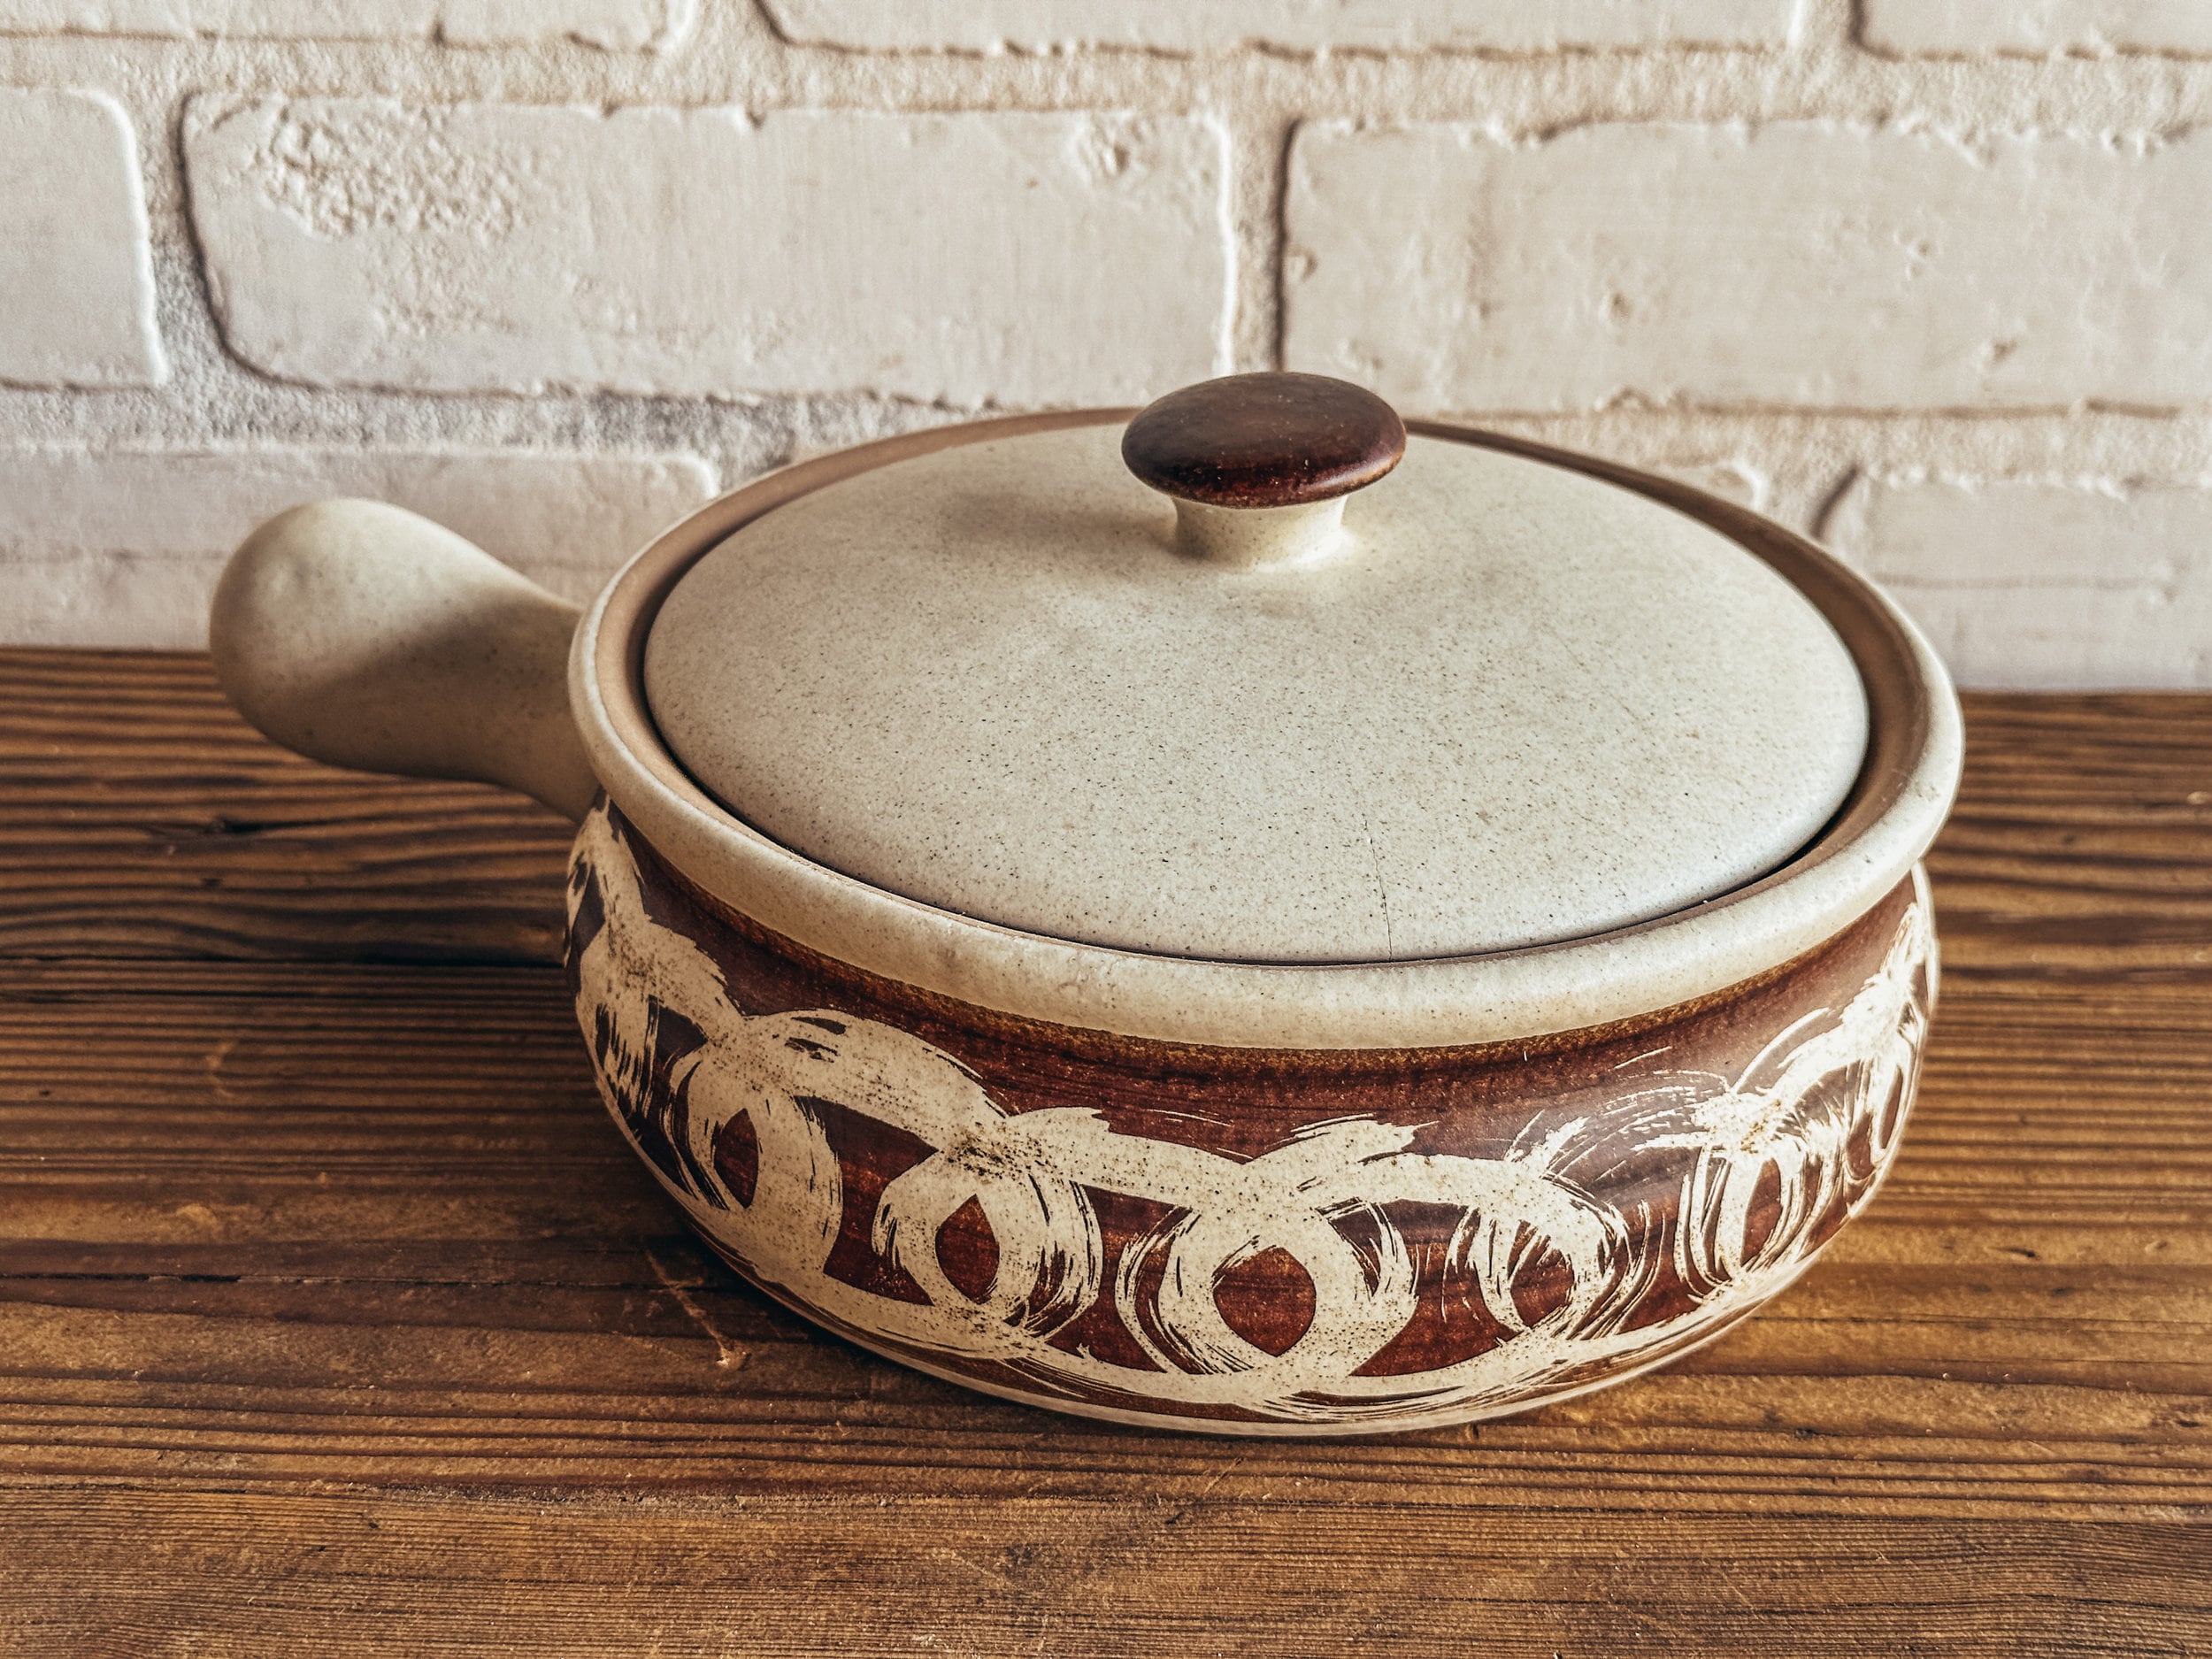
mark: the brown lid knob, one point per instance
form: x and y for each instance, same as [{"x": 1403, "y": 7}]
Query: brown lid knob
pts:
[{"x": 1264, "y": 440}]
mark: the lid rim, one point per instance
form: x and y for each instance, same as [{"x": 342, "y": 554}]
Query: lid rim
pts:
[{"x": 1904, "y": 792}]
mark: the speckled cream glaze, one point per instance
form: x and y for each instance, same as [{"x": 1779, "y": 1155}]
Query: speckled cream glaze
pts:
[
  {"x": 1261, "y": 1243},
  {"x": 1899, "y": 799},
  {"x": 1511, "y": 704}
]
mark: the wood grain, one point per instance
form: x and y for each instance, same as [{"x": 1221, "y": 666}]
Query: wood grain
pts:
[
  {"x": 139, "y": 816},
  {"x": 344, "y": 1575},
  {"x": 335, "y": 1318},
  {"x": 2082, "y": 840}
]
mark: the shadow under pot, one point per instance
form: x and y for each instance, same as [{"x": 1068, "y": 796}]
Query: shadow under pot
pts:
[{"x": 1239, "y": 918}]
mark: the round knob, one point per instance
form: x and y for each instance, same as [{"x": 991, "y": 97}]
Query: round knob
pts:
[
  {"x": 1258, "y": 463},
  {"x": 1264, "y": 440}
]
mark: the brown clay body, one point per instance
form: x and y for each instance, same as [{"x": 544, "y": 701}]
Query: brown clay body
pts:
[{"x": 1232, "y": 1240}]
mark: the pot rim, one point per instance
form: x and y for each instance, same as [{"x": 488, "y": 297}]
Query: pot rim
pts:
[{"x": 1903, "y": 793}]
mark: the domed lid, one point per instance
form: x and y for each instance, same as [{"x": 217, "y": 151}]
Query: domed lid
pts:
[{"x": 1178, "y": 690}]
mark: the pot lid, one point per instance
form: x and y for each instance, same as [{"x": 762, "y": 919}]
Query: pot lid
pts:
[{"x": 1177, "y": 689}]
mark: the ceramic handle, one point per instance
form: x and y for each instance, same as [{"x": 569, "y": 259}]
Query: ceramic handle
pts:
[
  {"x": 361, "y": 634},
  {"x": 1259, "y": 464}
]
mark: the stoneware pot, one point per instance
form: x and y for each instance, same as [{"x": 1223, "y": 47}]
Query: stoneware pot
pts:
[{"x": 1235, "y": 920}]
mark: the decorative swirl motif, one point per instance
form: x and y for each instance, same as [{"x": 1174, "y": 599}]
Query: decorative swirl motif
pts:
[{"x": 682, "y": 1066}]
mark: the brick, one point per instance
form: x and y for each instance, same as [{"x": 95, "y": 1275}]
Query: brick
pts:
[
  {"x": 1018, "y": 258},
  {"x": 76, "y": 270},
  {"x": 1962, "y": 27},
  {"x": 631, "y": 25},
  {"x": 2027, "y": 585},
  {"x": 1376, "y": 25},
  {"x": 123, "y": 549},
  {"x": 1809, "y": 265}
]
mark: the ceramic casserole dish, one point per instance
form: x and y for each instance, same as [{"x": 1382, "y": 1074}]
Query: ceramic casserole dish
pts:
[{"x": 1246, "y": 918}]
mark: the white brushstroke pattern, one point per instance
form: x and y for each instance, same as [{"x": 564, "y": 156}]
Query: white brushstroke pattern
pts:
[{"x": 644, "y": 988}]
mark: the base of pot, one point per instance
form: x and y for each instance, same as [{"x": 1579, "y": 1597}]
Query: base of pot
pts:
[{"x": 1253, "y": 1429}]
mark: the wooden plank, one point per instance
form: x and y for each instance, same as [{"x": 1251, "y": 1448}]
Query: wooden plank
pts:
[
  {"x": 2083, "y": 837},
  {"x": 139, "y": 817},
  {"x": 277, "y": 1575},
  {"x": 335, "y": 1316}
]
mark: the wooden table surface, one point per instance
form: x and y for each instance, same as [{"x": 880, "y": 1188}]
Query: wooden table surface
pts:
[{"x": 335, "y": 1319}]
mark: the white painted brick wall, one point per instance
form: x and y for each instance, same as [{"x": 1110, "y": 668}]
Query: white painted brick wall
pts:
[
  {"x": 497, "y": 248},
  {"x": 1370, "y": 25},
  {"x": 2039, "y": 584},
  {"x": 1964, "y": 27},
  {"x": 1930, "y": 277},
  {"x": 76, "y": 277},
  {"x": 101, "y": 544},
  {"x": 1807, "y": 263},
  {"x": 613, "y": 24}
]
